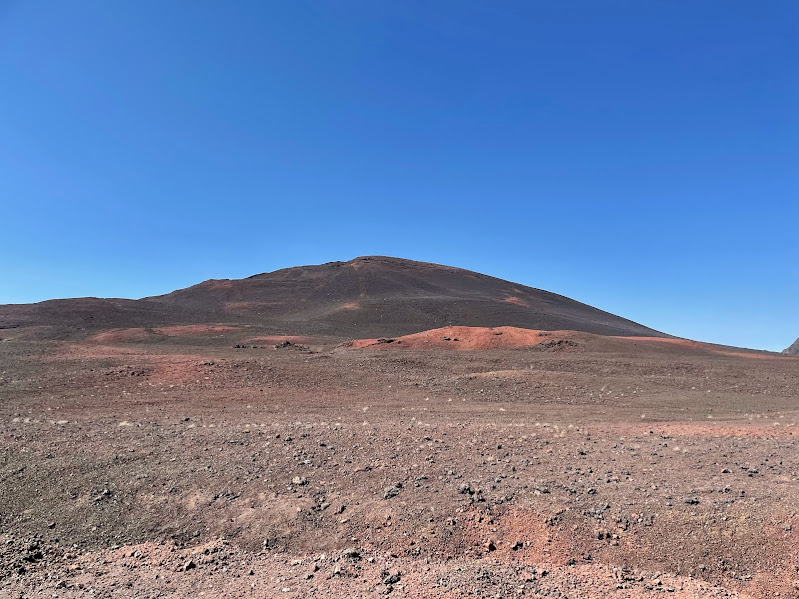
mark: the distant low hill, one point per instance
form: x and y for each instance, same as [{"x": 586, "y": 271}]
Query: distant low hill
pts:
[
  {"x": 365, "y": 297},
  {"x": 793, "y": 350}
]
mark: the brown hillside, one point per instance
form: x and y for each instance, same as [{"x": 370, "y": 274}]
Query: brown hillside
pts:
[
  {"x": 793, "y": 350},
  {"x": 365, "y": 297}
]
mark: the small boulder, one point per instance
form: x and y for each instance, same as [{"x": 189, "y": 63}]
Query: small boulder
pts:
[
  {"x": 392, "y": 578},
  {"x": 351, "y": 553},
  {"x": 392, "y": 491}
]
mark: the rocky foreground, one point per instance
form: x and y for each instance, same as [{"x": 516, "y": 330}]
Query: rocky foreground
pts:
[{"x": 185, "y": 469}]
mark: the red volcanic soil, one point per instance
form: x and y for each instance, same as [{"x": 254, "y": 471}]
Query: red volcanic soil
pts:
[
  {"x": 620, "y": 468},
  {"x": 485, "y": 338},
  {"x": 469, "y": 338}
]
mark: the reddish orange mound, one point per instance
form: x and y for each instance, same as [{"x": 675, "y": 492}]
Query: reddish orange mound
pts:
[{"x": 467, "y": 338}]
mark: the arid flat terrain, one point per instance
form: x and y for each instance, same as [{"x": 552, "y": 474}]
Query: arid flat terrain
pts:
[{"x": 232, "y": 458}]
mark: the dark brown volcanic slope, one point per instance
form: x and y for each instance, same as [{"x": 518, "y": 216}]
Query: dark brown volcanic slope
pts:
[
  {"x": 365, "y": 297},
  {"x": 392, "y": 296},
  {"x": 793, "y": 350}
]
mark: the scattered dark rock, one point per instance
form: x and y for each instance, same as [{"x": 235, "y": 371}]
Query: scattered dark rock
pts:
[
  {"x": 34, "y": 556},
  {"x": 105, "y": 493},
  {"x": 392, "y": 578},
  {"x": 351, "y": 553},
  {"x": 557, "y": 344},
  {"x": 392, "y": 491}
]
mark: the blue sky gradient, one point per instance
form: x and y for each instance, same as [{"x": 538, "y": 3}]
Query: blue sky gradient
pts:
[{"x": 638, "y": 156}]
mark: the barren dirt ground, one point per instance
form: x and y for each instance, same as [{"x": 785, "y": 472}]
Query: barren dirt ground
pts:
[{"x": 598, "y": 468}]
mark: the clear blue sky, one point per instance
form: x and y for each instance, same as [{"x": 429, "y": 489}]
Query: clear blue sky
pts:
[{"x": 638, "y": 156}]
